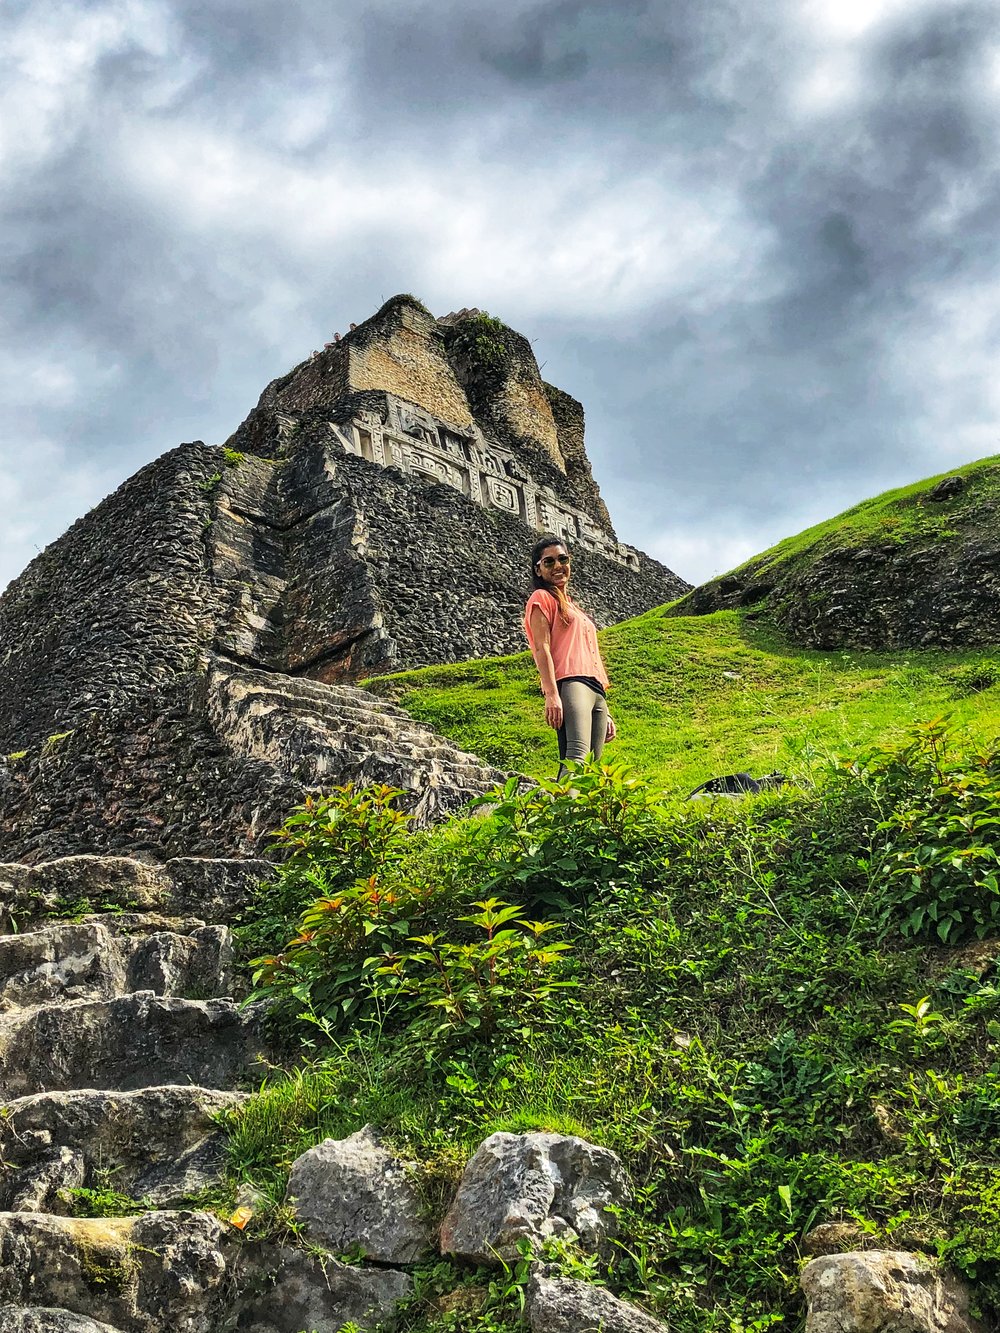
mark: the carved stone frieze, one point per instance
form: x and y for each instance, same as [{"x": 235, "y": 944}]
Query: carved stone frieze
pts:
[{"x": 421, "y": 445}]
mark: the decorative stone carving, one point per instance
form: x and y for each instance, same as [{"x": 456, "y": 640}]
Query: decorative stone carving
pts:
[{"x": 489, "y": 475}]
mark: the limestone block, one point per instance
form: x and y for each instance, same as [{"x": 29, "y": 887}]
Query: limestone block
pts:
[
  {"x": 40, "y": 1188},
  {"x": 533, "y": 1186},
  {"x": 160, "y": 1143},
  {"x": 323, "y": 1295},
  {"x": 144, "y": 1274},
  {"x": 132, "y": 1042},
  {"x": 883, "y": 1291},
  {"x": 562, "y": 1305},
  {"x": 355, "y": 1193},
  {"x": 91, "y": 960},
  {"x": 15, "y": 1319}
]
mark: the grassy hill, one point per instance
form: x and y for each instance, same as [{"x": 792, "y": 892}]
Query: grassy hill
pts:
[
  {"x": 695, "y": 696},
  {"x": 917, "y": 565}
]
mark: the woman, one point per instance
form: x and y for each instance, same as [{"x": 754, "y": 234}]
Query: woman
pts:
[{"x": 563, "y": 641}]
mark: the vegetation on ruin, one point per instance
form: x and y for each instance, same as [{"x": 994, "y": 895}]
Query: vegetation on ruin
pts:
[
  {"x": 697, "y": 696},
  {"x": 897, "y": 518},
  {"x": 780, "y": 1010}
]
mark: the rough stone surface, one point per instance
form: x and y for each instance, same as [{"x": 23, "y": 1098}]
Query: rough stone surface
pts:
[
  {"x": 562, "y": 1305},
  {"x": 135, "y": 1041},
  {"x": 354, "y": 1193},
  {"x": 153, "y": 657},
  {"x": 322, "y": 1295},
  {"x": 141, "y": 1274},
  {"x": 41, "y": 1187},
  {"x": 159, "y": 1143},
  {"x": 884, "y": 1291},
  {"x": 90, "y": 960},
  {"x": 531, "y": 1186},
  {"x": 15, "y": 1319},
  {"x": 202, "y": 888}
]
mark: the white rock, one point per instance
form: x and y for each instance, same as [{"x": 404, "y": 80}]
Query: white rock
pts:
[
  {"x": 354, "y": 1194},
  {"x": 531, "y": 1186},
  {"x": 884, "y": 1291}
]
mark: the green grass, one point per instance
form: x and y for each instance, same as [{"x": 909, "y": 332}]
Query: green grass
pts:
[
  {"x": 900, "y": 517},
  {"x": 697, "y": 696},
  {"x": 749, "y": 1025}
]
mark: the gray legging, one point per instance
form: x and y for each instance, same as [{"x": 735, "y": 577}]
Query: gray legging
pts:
[{"x": 585, "y": 721}]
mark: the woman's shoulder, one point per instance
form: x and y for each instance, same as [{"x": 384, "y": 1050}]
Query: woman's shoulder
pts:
[{"x": 543, "y": 598}]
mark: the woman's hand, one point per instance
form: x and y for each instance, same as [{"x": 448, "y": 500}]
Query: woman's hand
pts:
[
  {"x": 553, "y": 711},
  {"x": 612, "y": 729}
]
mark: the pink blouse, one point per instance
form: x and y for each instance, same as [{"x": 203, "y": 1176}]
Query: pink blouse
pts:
[{"x": 574, "y": 646}]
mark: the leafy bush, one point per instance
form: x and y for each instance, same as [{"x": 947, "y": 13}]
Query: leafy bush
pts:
[
  {"x": 561, "y": 844},
  {"x": 330, "y": 842},
  {"x": 943, "y": 864},
  {"x": 504, "y": 980}
]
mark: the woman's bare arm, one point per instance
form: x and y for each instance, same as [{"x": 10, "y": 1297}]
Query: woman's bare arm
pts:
[{"x": 541, "y": 651}]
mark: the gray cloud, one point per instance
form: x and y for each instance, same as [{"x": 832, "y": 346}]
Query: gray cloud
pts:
[{"x": 759, "y": 246}]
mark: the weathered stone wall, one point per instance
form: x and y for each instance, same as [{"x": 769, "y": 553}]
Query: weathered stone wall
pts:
[
  {"x": 122, "y": 602},
  {"x": 567, "y": 413},
  {"x": 399, "y": 350}
]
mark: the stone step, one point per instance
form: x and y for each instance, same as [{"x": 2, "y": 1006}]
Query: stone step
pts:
[
  {"x": 177, "y": 1272},
  {"x": 125, "y": 890},
  {"x": 148, "y": 1274},
  {"x": 135, "y": 1041},
  {"x": 99, "y": 959},
  {"x": 19, "y": 1319},
  {"x": 159, "y": 1144}
]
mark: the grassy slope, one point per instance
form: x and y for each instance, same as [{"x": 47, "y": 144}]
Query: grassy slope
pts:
[
  {"x": 695, "y": 696},
  {"x": 898, "y": 516}
]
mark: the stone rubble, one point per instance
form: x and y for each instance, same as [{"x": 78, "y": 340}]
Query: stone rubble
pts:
[
  {"x": 530, "y": 1187},
  {"x": 354, "y": 1194},
  {"x": 884, "y": 1291},
  {"x": 563, "y": 1305}
]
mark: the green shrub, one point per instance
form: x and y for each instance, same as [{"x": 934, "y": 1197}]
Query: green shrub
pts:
[
  {"x": 561, "y": 844},
  {"x": 330, "y": 842},
  {"x": 943, "y": 866}
]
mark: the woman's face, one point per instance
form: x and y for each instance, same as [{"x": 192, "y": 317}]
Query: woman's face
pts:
[{"x": 553, "y": 565}]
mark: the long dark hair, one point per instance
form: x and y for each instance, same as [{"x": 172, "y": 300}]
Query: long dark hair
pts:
[{"x": 538, "y": 582}]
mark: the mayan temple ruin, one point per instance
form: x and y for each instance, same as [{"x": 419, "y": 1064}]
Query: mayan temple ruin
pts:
[
  {"x": 183, "y": 664},
  {"x": 179, "y": 670}
]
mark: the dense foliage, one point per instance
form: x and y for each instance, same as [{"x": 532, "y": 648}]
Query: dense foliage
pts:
[{"x": 779, "y": 1010}]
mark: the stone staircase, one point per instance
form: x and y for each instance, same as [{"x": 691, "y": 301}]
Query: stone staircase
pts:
[
  {"x": 332, "y": 734},
  {"x": 120, "y": 1042}
]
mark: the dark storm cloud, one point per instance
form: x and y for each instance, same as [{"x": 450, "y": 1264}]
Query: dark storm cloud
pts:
[{"x": 761, "y": 250}]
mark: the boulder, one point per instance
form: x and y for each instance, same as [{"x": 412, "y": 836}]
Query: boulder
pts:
[
  {"x": 532, "y": 1186},
  {"x": 354, "y": 1193},
  {"x": 563, "y": 1305},
  {"x": 322, "y": 1295},
  {"x": 884, "y": 1291},
  {"x": 161, "y": 1143},
  {"x": 16, "y": 1319},
  {"x": 144, "y": 1274}
]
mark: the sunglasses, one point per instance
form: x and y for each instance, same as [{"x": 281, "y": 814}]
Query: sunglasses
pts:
[{"x": 550, "y": 560}]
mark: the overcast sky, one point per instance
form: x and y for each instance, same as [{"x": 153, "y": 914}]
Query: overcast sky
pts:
[{"x": 758, "y": 239}]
